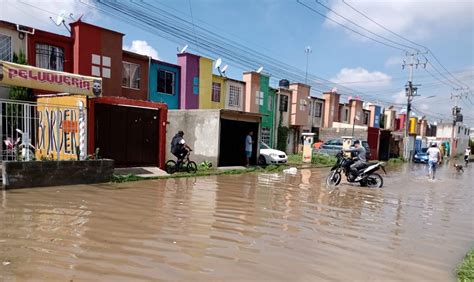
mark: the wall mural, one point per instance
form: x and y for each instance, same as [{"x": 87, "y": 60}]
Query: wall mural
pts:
[{"x": 61, "y": 121}]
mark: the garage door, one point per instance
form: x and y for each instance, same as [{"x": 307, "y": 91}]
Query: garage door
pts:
[{"x": 127, "y": 135}]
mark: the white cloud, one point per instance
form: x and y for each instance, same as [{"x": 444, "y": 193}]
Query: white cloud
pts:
[
  {"x": 361, "y": 78},
  {"x": 411, "y": 18},
  {"x": 394, "y": 61},
  {"x": 37, "y": 13},
  {"x": 142, "y": 47},
  {"x": 400, "y": 97}
]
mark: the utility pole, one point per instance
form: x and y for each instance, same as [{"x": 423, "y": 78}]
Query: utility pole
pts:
[
  {"x": 307, "y": 50},
  {"x": 456, "y": 117},
  {"x": 411, "y": 92}
]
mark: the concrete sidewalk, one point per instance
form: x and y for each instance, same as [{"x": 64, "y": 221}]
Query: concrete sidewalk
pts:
[{"x": 144, "y": 172}]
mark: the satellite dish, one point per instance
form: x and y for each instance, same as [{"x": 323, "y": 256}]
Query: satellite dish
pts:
[
  {"x": 60, "y": 18},
  {"x": 260, "y": 69},
  {"x": 224, "y": 68},
  {"x": 184, "y": 49},
  {"x": 218, "y": 63}
]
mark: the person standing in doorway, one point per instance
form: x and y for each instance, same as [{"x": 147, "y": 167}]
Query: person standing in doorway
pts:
[
  {"x": 248, "y": 147},
  {"x": 434, "y": 158}
]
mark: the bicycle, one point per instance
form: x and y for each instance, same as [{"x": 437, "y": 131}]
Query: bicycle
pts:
[{"x": 185, "y": 166}]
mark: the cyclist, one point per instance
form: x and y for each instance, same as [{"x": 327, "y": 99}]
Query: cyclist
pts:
[{"x": 179, "y": 148}]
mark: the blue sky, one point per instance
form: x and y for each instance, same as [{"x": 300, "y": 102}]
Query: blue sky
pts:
[{"x": 282, "y": 29}]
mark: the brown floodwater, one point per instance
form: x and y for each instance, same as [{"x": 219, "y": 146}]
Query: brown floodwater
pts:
[{"x": 267, "y": 226}]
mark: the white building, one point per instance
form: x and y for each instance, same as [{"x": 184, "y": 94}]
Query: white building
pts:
[{"x": 461, "y": 135}]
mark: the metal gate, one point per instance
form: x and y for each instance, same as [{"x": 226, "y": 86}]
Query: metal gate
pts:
[
  {"x": 33, "y": 131},
  {"x": 128, "y": 135}
]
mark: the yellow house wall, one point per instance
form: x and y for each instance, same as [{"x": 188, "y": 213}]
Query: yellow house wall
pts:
[
  {"x": 221, "y": 104},
  {"x": 205, "y": 83}
]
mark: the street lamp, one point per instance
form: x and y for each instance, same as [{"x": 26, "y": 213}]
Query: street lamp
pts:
[{"x": 307, "y": 50}]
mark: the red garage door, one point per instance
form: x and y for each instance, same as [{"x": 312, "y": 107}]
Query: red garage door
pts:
[{"x": 373, "y": 140}]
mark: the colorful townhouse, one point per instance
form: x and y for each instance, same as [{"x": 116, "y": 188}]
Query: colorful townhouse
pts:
[
  {"x": 165, "y": 84},
  {"x": 259, "y": 99},
  {"x": 120, "y": 121}
]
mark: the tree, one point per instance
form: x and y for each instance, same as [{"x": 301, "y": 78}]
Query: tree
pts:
[{"x": 16, "y": 92}]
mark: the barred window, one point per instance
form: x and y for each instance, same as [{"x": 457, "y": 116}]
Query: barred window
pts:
[
  {"x": 234, "y": 95},
  {"x": 130, "y": 75},
  {"x": 259, "y": 98},
  {"x": 216, "y": 92},
  {"x": 302, "y": 105},
  {"x": 266, "y": 135},
  {"x": 5, "y": 48},
  {"x": 317, "y": 109},
  {"x": 49, "y": 57},
  {"x": 166, "y": 82},
  {"x": 283, "y": 103},
  {"x": 366, "y": 118},
  {"x": 270, "y": 103}
]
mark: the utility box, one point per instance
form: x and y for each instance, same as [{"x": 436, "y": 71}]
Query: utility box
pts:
[{"x": 308, "y": 140}]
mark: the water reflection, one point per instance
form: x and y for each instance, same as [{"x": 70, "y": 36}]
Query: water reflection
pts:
[{"x": 256, "y": 226}]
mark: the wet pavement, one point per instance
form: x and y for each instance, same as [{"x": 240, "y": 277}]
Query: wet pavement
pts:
[{"x": 241, "y": 227}]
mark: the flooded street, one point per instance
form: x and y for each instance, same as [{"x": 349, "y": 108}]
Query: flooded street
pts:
[{"x": 241, "y": 227}]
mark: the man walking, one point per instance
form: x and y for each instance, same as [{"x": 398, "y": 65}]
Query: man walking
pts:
[
  {"x": 434, "y": 158},
  {"x": 248, "y": 147}
]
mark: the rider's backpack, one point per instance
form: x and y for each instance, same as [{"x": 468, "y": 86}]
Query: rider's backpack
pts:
[{"x": 175, "y": 143}]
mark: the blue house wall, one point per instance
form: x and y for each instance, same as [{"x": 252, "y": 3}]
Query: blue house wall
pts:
[{"x": 172, "y": 100}]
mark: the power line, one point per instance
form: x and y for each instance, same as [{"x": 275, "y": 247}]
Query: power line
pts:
[
  {"x": 346, "y": 27},
  {"x": 404, "y": 38},
  {"x": 174, "y": 27},
  {"x": 369, "y": 31}
]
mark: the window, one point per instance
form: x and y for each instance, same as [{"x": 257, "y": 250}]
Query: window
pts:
[
  {"x": 101, "y": 65},
  {"x": 317, "y": 109},
  {"x": 166, "y": 82},
  {"x": 459, "y": 130},
  {"x": 302, "y": 104},
  {"x": 131, "y": 75},
  {"x": 49, "y": 57},
  {"x": 259, "y": 98},
  {"x": 196, "y": 85},
  {"x": 283, "y": 103},
  {"x": 266, "y": 135},
  {"x": 270, "y": 104},
  {"x": 6, "y": 48},
  {"x": 216, "y": 92},
  {"x": 234, "y": 95},
  {"x": 311, "y": 108},
  {"x": 366, "y": 118},
  {"x": 346, "y": 115}
]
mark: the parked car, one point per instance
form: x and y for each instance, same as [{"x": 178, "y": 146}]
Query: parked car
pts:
[
  {"x": 334, "y": 146},
  {"x": 421, "y": 156},
  {"x": 271, "y": 156}
]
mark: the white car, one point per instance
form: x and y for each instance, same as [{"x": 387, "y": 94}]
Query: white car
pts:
[{"x": 271, "y": 156}]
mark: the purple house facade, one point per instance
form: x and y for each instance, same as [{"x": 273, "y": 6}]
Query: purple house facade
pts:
[{"x": 189, "y": 81}]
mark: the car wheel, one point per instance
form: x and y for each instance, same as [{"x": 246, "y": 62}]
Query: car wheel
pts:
[{"x": 262, "y": 160}]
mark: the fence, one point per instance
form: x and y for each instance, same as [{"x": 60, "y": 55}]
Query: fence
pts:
[{"x": 30, "y": 130}]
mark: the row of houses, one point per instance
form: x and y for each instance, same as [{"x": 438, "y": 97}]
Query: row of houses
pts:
[{"x": 215, "y": 111}]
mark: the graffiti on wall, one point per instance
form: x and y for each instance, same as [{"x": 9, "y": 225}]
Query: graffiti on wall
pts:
[{"x": 58, "y": 127}]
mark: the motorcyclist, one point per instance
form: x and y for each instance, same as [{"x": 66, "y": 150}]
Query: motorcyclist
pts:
[
  {"x": 359, "y": 158},
  {"x": 179, "y": 148}
]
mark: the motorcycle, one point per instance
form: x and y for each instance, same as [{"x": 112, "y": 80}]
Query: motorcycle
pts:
[{"x": 366, "y": 176}]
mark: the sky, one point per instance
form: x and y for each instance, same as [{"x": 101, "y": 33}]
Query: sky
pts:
[{"x": 282, "y": 29}]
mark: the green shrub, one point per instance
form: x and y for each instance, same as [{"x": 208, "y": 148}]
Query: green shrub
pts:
[
  {"x": 465, "y": 271},
  {"x": 323, "y": 159}
]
